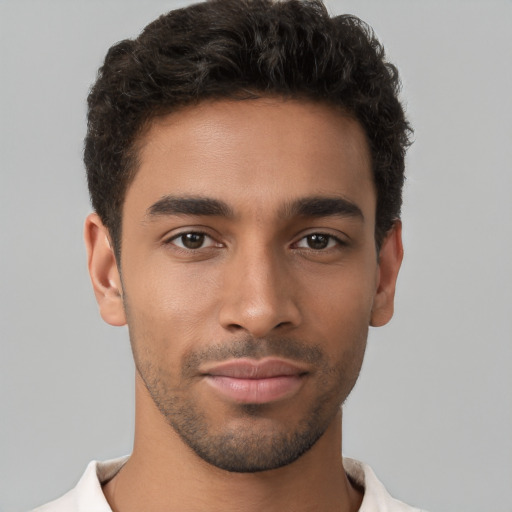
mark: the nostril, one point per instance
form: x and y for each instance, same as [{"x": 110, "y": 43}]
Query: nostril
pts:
[{"x": 235, "y": 327}]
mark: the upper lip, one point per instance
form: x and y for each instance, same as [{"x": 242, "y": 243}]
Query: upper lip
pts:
[{"x": 255, "y": 369}]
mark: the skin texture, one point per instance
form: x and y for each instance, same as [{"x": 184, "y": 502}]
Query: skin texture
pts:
[{"x": 261, "y": 279}]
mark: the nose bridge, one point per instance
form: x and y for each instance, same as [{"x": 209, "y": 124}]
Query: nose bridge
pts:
[{"x": 258, "y": 294}]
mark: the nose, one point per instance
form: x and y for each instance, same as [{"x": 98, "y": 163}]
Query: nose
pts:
[{"x": 258, "y": 294}]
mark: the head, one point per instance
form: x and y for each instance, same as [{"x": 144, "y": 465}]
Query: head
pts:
[
  {"x": 245, "y": 160},
  {"x": 242, "y": 50}
]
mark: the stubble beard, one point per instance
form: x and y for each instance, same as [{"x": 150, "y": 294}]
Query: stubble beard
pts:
[{"x": 249, "y": 448}]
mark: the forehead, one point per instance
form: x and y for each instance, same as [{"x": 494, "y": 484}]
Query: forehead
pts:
[{"x": 253, "y": 153}]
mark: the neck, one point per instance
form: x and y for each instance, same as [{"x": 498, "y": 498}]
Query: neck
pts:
[{"x": 165, "y": 475}]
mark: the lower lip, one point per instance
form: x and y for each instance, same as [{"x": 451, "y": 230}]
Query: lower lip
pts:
[{"x": 256, "y": 391}]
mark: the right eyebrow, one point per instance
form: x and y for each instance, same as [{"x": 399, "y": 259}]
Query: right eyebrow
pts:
[{"x": 189, "y": 205}]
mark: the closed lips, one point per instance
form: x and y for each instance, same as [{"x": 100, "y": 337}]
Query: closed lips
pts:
[
  {"x": 252, "y": 369},
  {"x": 255, "y": 382}
]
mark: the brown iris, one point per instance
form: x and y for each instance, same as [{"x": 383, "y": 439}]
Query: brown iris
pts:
[
  {"x": 192, "y": 240},
  {"x": 317, "y": 241}
]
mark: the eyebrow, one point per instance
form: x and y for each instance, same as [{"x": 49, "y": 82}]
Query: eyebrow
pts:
[
  {"x": 320, "y": 206},
  {"x": 173, "y": 205}
]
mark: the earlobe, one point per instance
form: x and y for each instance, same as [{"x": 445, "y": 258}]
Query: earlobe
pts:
[
  {"x": 105, "y": 277},
  {"x": 390, "y": 258}
]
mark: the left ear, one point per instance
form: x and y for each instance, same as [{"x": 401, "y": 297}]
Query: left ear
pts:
[{"x": 390, "y": 258}]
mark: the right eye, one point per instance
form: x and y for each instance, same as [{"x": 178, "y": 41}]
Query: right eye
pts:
[{"x": 192, "y": 240}]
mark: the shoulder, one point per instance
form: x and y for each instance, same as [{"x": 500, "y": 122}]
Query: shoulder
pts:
[
  {"x": 376, "y": 498},
  {"x": 87, "y": 495}
]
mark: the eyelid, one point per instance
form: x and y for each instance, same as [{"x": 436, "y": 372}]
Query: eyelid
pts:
[
  {"x": 340, "y": 237},
  {"x": 170, "y": 240},
  {"x": 333, "y": 242}
]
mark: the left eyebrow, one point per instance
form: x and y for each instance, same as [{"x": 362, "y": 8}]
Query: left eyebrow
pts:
[{"x": 320, "y": 206}]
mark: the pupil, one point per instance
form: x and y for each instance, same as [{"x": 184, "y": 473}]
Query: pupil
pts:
[
  {"x": 318, "y": 241},
  {"x": 192, "y": 240}
]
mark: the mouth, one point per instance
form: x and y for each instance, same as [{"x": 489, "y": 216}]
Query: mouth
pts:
[{"x": 250, "y": 381}]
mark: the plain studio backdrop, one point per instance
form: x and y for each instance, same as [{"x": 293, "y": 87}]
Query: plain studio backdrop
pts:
[{"x": 431, "y": 412}]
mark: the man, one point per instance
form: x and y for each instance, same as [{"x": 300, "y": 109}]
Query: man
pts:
[{"x": 245, "y": 162}]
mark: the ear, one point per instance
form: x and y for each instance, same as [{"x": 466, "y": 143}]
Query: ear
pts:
[
  {"x": 390, "y": 258},
  {"x": 103, "y": 270}
]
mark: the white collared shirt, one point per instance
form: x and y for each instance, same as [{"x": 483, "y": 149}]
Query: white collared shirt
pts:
[{"x": 88, "y": 496}]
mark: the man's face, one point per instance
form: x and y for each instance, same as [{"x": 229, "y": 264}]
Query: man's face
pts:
[{"x": 249, "y": 274}]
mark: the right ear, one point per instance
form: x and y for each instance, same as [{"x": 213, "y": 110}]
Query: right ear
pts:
[{"x": 103, "y": 270}]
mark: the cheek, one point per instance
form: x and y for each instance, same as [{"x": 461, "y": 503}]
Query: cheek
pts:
[
  {"x": 169, "y": 304},
  {"x": 337, "y": 309},
  {"x": 345, "y": 296}
]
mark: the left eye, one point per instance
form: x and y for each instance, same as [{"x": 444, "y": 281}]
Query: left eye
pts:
[
  {"x": 192, "y": 240},
  {"x": 318, "y": 241}
]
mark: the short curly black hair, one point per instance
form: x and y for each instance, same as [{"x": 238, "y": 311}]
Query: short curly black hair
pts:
[{"x": 243, "y": 49}]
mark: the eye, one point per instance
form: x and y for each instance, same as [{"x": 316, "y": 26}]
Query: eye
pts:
[
  {"x": 318, "y": 242},
  {"x": 193, "y": 241}
]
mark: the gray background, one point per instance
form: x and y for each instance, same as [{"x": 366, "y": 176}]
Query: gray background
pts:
[{"x": 432, "y": 410}]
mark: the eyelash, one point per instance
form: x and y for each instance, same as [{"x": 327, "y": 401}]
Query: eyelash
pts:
[
  {"x": 330, "y": 238},
  {"x": 338, "y": 242},
  {"x": 185, "y": 233}
]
